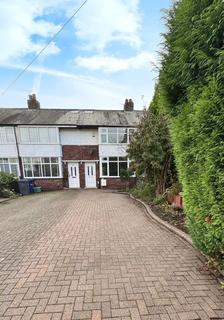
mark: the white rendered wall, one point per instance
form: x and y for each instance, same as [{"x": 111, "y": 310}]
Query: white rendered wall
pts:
[
  {"x": 79, "y": 136},
  {"x": 8, "y": 151},
  {"x": 40, "y": 150},
  {"x": 116, "y": 150}
]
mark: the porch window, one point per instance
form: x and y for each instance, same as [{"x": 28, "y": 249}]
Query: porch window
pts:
[{"x": 41, "y": 167}]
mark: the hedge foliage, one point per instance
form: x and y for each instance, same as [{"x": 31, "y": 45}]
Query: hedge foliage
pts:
[{"x": 191, "y": 86}]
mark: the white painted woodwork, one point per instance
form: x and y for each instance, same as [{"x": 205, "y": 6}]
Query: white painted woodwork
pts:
[
  {"x": 73, "y": 175},
  {"x": 90, "y": 175}
]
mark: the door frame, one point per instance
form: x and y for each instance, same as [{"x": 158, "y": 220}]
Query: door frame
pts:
[
  {"x": 70, "y": 164},
  {"x": 85, "y": 166}
]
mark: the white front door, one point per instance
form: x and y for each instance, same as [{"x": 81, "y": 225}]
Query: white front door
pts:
[
  {"x": 90, "y": 175},
  {"x": 73, "y": 175}
]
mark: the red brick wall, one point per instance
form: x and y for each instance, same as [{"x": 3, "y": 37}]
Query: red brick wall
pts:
[
  {"x": 49, "y": 184},
  {"x": 117, "y": 183},
  {"x": 86, "y": 153},
  {"x": 90, "y": 152}
]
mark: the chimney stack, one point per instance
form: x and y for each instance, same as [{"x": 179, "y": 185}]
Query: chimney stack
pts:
[
  {"x": 128, "y": 105},
  {"x": 32, "y": 102}
]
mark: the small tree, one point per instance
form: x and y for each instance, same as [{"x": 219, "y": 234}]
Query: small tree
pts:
[{"x": 151, "y": 152}]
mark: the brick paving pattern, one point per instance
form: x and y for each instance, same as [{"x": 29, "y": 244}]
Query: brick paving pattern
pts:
[{"x": 95, "y": 255}]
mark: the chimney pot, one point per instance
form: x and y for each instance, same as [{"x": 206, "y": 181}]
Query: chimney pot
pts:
[
  {"x": 128, "y": 105},
  {"x": 32, "y": 102}
]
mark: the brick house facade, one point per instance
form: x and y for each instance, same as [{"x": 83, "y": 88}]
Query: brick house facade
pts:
[{"x": 60, "y": 148}]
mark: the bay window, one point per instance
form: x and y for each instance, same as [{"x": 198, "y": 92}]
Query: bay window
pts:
[
  {"x": 10, "y": 165},
  {"x": 112, "y": 166},
  {"x": 41, "y": 167}
]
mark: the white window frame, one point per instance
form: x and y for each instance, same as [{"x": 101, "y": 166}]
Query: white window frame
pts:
[
  {"x": 32, "y": 162},
  {"x": 104, "y": 130},
  {"x": 38, "y": 141},
  {"x": 107, "y": 161},
  {"x": 10, "y": 163}
]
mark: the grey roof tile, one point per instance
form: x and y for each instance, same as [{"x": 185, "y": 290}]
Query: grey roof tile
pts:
[{"x": 69, "y": 117}]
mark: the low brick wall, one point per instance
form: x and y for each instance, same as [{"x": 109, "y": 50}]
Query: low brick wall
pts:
[
  {"x": 117, "y": 183},
  {"x": 49, "y": 184}
]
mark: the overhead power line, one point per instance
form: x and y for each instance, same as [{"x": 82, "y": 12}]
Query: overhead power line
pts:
[{"x": 42, "y": 50}]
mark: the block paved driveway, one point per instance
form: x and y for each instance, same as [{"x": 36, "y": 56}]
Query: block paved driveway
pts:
[{"x": 94, "y": 254}]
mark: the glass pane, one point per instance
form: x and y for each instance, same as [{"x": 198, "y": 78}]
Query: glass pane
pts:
[
  {"x": 123, "y": 159},
  {"x": 2, "y": 136},
  {"x": 34, "y": 135},
  {"x": 10, "y": 135},
  {"x": 103, "y": 138},
  {"x": 122, "y": 166},
  {"x": 43, "y": 135},
  {"x": 28, "y": 170},
  {"x": 26, "y": 160},
  {"x": 112, "y": 130},
  {"x": 122, "y": 138},
  {"x": 45, "y": 160},
  {"x": 6, "y": 168},
  {"x": 24, "y": 135},
  {"x": 14, "y": 169},
  {"x": 55, "y": 170},
  {"x": 113, "y": 169},
  {"x": 46, "y": 170},
  {"x": 37, "y": 170},
  {"x": 122, "y": 130},
  {"x": 54, "y": 160},
  {"x": 104, "y": 159},
  {"x": 13, "y": 160},
  {"x": 131, "y": 133},
  {"x": 52, "y": 135},
  {"x": 36, "y": 160},
  {"x": 1, "y": 167},
  {"x": 112, "y": 138},
  {"x": 4, "y": 160},
  {"x": 112, "y": 158},
  {"x": 104, "y": 169},
  {"x": 103, "y": 130}
]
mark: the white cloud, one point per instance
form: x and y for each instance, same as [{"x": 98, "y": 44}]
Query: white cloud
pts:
[
  {"x": 19, "y": 21},
  {"x": 97, "y": 24},
  {"x": 112, "y": 64},
  {"x": 103, "y": 21}
]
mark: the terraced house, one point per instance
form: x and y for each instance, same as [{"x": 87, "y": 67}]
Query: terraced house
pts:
[{"x": 67, "y": 147}]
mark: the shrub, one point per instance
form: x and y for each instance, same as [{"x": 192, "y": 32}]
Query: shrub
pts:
[
  {"x": 7, "y": 184},
  {"x": 143, "y": 191}
]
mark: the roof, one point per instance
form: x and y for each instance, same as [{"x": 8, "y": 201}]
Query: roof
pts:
[{"x": 69, "y": 117}]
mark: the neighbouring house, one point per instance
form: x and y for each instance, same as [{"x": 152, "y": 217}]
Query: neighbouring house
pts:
[{"x": 72, "y": 148}]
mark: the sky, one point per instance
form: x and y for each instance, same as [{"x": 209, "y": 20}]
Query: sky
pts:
[{"x": 107, "y": 53}]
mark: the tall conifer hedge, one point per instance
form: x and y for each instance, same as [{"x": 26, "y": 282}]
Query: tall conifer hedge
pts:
[{"x": 191, "y": 85}]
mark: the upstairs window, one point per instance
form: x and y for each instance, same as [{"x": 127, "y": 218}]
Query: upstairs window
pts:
[
  {"x": 116, "y": 135},
  {"x": 7, "y": 135},
  {"x": 38, "y": 135}
]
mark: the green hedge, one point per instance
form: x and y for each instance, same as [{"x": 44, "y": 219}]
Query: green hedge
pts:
[
  {"x": 198, "y": 138},
  {"x": 191, "y": 85}
]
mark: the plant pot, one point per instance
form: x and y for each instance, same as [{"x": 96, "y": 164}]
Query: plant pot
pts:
[{"x": 178, "y": 201}]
